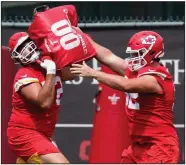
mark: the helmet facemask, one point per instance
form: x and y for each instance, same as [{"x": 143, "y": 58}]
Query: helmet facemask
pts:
[
  {"x": 26, "y": 53},
  {"x": 136, "y": 60}
]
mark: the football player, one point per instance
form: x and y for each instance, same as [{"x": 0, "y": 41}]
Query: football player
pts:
[
  {"x": 149, "y": 100},
  {"x": 37, "y": 91}
]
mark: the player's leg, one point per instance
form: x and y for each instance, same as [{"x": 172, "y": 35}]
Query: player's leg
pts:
[
  {"x": 155, "y": 153},
  {"x": 163, "y": 153},
  {"x": 40, "y": 159},
  {"x": 28, "y": 145},
  {"x": 145, "y": 153},
  {"x": 172, "y": 148},
  {"x": 126, "y": 156},
  {"x": 126, "y": 160},
  {"x": 47, "y": 152},
  {"x": 53, "y": 158},
  {"x": 19, "y": 160}
]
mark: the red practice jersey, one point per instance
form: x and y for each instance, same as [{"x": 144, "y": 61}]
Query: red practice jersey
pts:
[
  {"x": 151, "y": 115},
  {"x": 27, "y": 115},
  {"x": 56, "y": 34}
]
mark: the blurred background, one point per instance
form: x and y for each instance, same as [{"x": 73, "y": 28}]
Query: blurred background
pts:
[{"x": 111, "y": 24}]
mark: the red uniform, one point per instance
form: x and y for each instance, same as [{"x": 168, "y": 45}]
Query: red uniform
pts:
[
  {"x": 55, "y": 33},
  {"x": 30, "y": 128},
  {"x": 150, "y": 117}
]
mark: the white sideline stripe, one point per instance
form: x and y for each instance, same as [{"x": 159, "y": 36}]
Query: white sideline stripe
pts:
[{"x": 91, "y": 125}]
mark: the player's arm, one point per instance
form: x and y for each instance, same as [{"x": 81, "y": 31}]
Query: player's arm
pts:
[
  {"x": 106, "y": 57},
  {"x": 66, "y": 74},
  {"x": 143, "y": 84},
  {"x": 53, "y": 141},
  {"x": 42, "y": 96}
]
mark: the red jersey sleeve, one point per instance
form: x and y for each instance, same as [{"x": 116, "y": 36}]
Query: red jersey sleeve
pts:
[{"x": 24, "y": 77}]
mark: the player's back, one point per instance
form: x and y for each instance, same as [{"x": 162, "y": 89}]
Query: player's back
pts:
[
  {"x": 151, "y": 115},
  {"x": 27, "y": 115}
]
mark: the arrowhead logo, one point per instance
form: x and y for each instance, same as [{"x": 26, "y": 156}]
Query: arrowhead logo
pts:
[{"x": 114, "y": 99}]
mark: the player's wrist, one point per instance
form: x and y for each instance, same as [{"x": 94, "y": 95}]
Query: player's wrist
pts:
[
  {"x": 51, "y": 68},
  {"x": 94, "y": 73},
  {"x": 51, "y": 72},
  {"x": 49, "y": 65}
]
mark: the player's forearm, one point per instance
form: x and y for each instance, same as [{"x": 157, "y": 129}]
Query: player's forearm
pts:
[
  {"x": 46, "y": 94},
  {"x": 68, "y": 77},
  {"x": 114, "y": 62},
  {"x": 66, "y": 74},
  {"x": 113, "y": 81},
  {"x": 106, "y": 57}
]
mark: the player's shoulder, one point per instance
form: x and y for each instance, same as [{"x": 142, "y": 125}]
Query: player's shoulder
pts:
[
  {"x": 24, "y": 72},
  {"x": 160, "y": 70},
  {"x": 25, "y": 76}
]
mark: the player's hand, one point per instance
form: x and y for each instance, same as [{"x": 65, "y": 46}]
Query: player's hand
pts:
[
  {"x": 49, "y": 65},
  {"x": 82, "y": 70}
]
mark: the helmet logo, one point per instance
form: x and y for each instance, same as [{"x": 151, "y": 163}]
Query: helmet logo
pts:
[{"x": 149, "y": 40}]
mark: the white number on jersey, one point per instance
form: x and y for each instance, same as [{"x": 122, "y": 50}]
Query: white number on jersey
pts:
[
  {"x": 131, "y": 101},
  {"x": 59, "y": 91},
  {"x": 68, "y": 39}
]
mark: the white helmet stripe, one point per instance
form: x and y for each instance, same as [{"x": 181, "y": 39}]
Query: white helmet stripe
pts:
[{"x": 160, "y": 54}]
